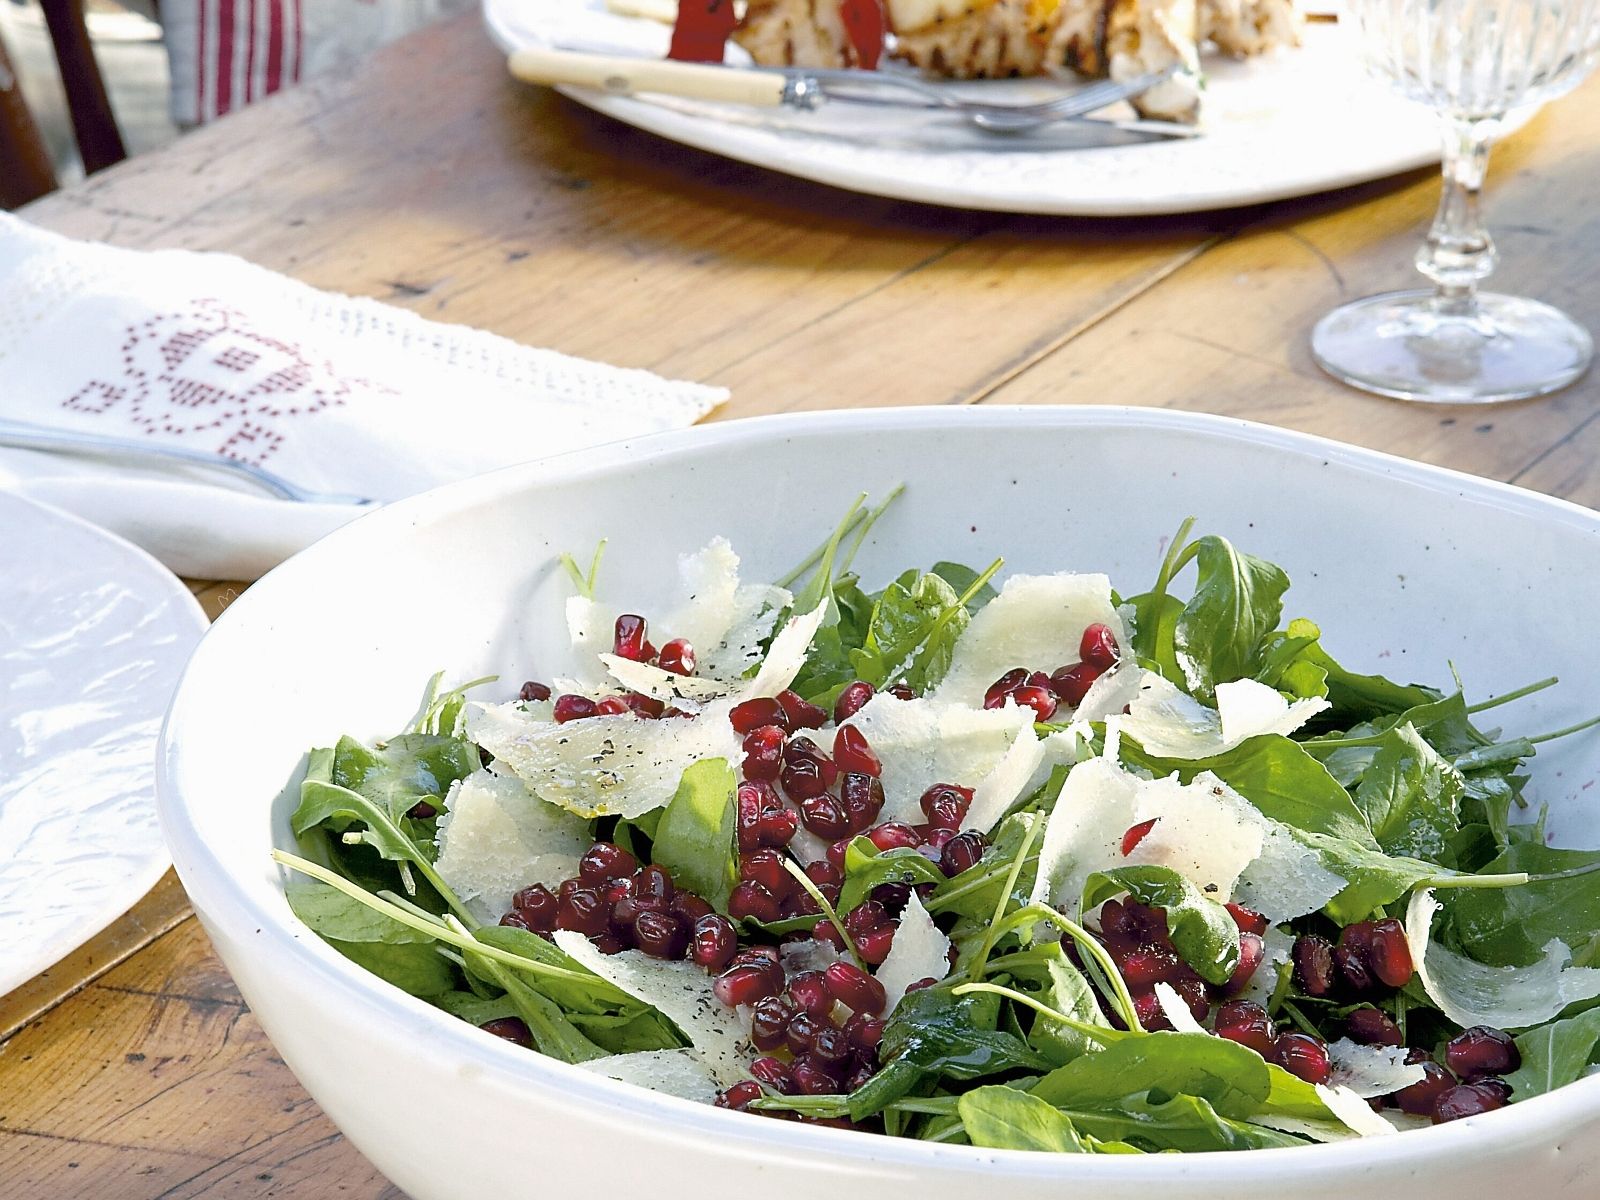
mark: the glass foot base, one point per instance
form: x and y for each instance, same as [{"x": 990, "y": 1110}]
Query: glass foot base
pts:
[{"x": 1409, "y": 346}]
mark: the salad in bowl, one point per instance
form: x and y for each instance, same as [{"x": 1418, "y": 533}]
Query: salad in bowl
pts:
[{"x": 1045, "y": 862}]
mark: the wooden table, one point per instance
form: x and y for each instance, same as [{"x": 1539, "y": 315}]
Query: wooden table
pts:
[{"x": 133, "y": 1069}]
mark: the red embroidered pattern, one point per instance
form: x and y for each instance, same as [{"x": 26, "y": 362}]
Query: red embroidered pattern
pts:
[{"x": 208, "y": 368}]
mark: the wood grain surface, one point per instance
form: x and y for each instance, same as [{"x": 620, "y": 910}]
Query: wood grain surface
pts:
[{"x": 427, "y": 179}]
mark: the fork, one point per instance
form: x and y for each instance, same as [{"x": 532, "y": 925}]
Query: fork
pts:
[{"x": 72, "y": 441}]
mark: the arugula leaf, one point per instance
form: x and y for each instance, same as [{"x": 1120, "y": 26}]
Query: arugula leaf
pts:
[
  {"x": 1202, "y": 931},
  {"x": 1411, "y": 797},
  {"x": 694, "y": 840},
  {"x": 1556, "y": 1054},
  {"x": 1063, "y": 988},
  {"x": 975, "y": 893},
  {"x": 1236, "y": 603},
  {"x": 418, "y": 969},
  {"x": 552, "y": 1032},
  {"x": 1512, "y": 926},
  {"x": 473, "y": 1008},
  {"x": 403, "y": 956},
  {"x": 1372, "y": 878},
  {"x": 1232, "y": 1078},
  {"x": 1004, "y": 1118},
  {"x": 1181, "y": 1122},
  {"x": 912, "y": 634},
  {"x": 866, "y": 867},
  {"x": 962, "y": 579},
  {"x": 405, "y": 770}
]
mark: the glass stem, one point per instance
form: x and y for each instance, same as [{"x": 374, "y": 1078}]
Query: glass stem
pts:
[{"x": 1459, "y": 251}]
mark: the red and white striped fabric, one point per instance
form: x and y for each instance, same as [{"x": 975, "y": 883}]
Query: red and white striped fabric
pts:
[{"x": 226, "y": 54}]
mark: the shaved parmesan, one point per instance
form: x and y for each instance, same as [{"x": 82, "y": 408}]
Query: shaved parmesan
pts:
[
  {"x": 686, "y": 691},
  {"x": 925, "y": 741},
  {"x": 787, "y": 654},
  {"x": 1370, "y": 1071},
  {"x": 1288, "y": 880},
  {"x": 1114, "y": 691},
  {"x": 1248, "y": 709},
  {"x": 724, "y": 620},
  {"x": 1036, "y": 621},
  {"x": 1354, "y": 1111},
  {"x": 675, "y": 1072},
  {"x": 620, "y": 764},
  {"x": 1276, "y": 948},
  {"x": 1000, "y": 788},
  {"x": 1084, "y": 830},
  {"x": 1170, "y": 723},
  {"x": 1317, "y": 1131},
  {"x": 1470, "y": 993},
  {"x": 919, "y": 951},
  {"x": 1203, "y": 830},
  {"x": 1176, "y": 1011},
  {"x": 812, "y": 955},
  {"x": 591, "y": 628},
  {"x": 496, "y": 837},
  {"x": 679, "y": 991}
]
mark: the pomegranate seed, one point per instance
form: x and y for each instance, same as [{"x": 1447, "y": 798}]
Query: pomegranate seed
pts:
[
  {"x": 1146, "y": 966},
  {"x": 573, "y": 708},
  {"x": 837, "y": 852},
  {"x": 689, "y": 906},
  {"x": 801, "y": 712},
  {"x": 803, "y": 1029},
  {"x": 860, "y": 801},
  {"x": 754, "y": 901},
  {"x": 806, "y": 771},
  {"x": 1192, "y": 990},
  {"x": 777, "y": 828},
  {"x": 1420, "y": 1098},
  {"x": 854, "y": 988},
  {"x": 1072, "y": 683},
  {"x": 962, "y": 852},
  {"x": 534, "y": 691},
  {"x": 743, "y": 985},
  {"x": 769, "y": 1021},
  {"x": 824, "y": 931},
  {"x": 921, "y": 985},
  {"x": 515, "y": 920},
  {"x": 901, "y": 691},
  {"x": 935, "y": 835},
  {"x": 823, "y": 873},
  {"x": 1481, "y": 1050},
  {"x": 629, "y": 908},
  {"x": 1148, "y": 1009},
  {"x": 661, "y": 935},
  {"x": 1371, "y": 1027},
  {"x": 677, "y": 656},
  {"x": 864, "y": 1032},
  {"x": 875, "y": 944},
  {"x": 644, "y": 706},
  {"x": 1002, "y": 688},
  {"x": 809, "y": 992},
  {"x": 1313, "y": 964},
  {"x": 1098, "y": 647},
  {"x": 765, "y": 957},
  {"x": 851, "y": 701},
  {"x": 585, "y": 912},
  {"x": 511, "y": 1029},
  {"x": 611, "y": 706},
  {"x": 740, "y": 1095},
  {"x": 1247, "y": 919},
  {"x": 537, "y": 906},
  {"x": 714, "y": 942},
  {"x": 1303, "y": 1056},
  {"x": 605, "y": 861},
  {"x": 766, "y": 868},
  {"x": 628, "y": 640},
  {"x": 1136, "y": 834},
  {"x": 823, "y": 817},
  {"x": 864, "y": 918},
  {"x": 851, "y": 752},
  {"x": 810, "y": 1079},
  {"x": 653, "y": 881},
  {"x": 1246, "y": 1023},
  {"x": 1133, "y": 921},
  {"x": 422, "y": 811},
  {"x": 568, "y": 886},
  {"x": 763, "y": 752},
  {"x": 1390, "y": 954},
  {"x": 946, "y": 805},
  {"x": 1039, "y": 679},
  {"x": 752, "y": 714},
  {"x": 892, "y": 835},
  {"x": 1251, "y": 951},
  {"x": 773, "y": 1073},
  {"x": 1468, "y": 1100},
  {"x": 1041, "y": 700},
  {"x": 831, "y": 1048}
]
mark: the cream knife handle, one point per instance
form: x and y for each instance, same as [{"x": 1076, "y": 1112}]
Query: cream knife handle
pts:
[{"x": 621, "y": 76}]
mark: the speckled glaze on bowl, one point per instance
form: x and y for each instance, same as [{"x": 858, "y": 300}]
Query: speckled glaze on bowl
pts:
[{"x": 1406, "y": 567}]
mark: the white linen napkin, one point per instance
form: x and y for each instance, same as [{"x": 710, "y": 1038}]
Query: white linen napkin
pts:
[{"x": 333, "y": 393}]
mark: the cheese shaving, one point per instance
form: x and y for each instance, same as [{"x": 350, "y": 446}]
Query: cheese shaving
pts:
[
  {"x": 1175, "y": 1010},
  {"x": 919, "y": 951},
  {"x": 787, "y": 654},
  {"x": 1169, "y": 723},
  {"x": 1354, "y": 1111},
  {"x": 1370, "y": 1071},
  {"x": 675, "y": 1072},
  {"x": 688, "y": 692}
]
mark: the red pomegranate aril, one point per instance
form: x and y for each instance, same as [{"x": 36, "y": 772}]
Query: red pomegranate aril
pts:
[
  {"x": 1148, "y": 1009},
  {"x": 533, "y": 690},
  {"x": 653, "y": 881},
  {"x": 893, "y": 896},
  {"x": 921, "y": 985},
  {"x": 809, "y": 993},
  {"x": 1371, "y": 1027},
  {"x": 751, "y": 900},
  {"x": 605, "y": 861},
  {"x": 689, "y": 906},
  {"x": 876, "y": 944},
  {"x": 1192, "y": 991},
  {"x": 1146, "y": 966},
  {"x": 864, "y": 1032},
  {"x": 1072, "y": 683},
  {"x": 422, "y": 811},
  {"x": 677, "y": 656},
  {"x": 766, "y": 868},
  {"x": 860, "y": 800},
  {"x": 537, "y": 905},
  {"x": 837, "y": 852},
  {"x": 1481, "y": 1050},
  {"x": 803, "y": 1029},
  {"x": 1303, "y": 1056},
  {"x": 1042, "y": 700},
  {"x": 823, "y": 873},
  {"x": 1390, "y": 953},
  {"x": 512, "y": 1029},
  {"x": 1420, "y": 1098},
  {"x": 777, "y": 828},
  {"x": 743, "y": 985},
  {"x": 644, "y": 706},
  {"x": 1313, "y": 964},
  {"x": 832, "y": 1049},
  {"x": 573, "y": 708},
  {"x": 765, "y": 957},
  {"x": 769, "y": 1021},
  {"x": 852, "y": 752},
  {"x": 1246, "y": 1023},
  {"x": 611, "y": 706},
  {"x": 901, "y": 691},
  {"x": 854, "y": 988},
  {"x": 1251, "y": 951},
  {"x": 1247, "y": 919},
  {"x": 806, "y": 771},
  {"x": 1098, "y": 647},
  {"x": 1002, "y": 688},
  {"x": 865, "y": 917},
  {"x": 585, "y": 912},
  {"x": 763, "y": 752},
  {"x": 661, "y": 935},
  {"x": 825, "y": 931},
  {"x": 617, "y": 889},
  {"x": 1468, "y": 1100},
  {"x": 567, "y": 887},
  {"x": 750, "y": 715},
  {"x": 629, "y": 908},
  {"x": 714, "y": 942},
  {"x": 801, "y": 713},
  {"x": 740, "y": 1096},
  {"x": 945, "y": 805},
  {"x": 823, "y": 816},
  {"x": 1136, "y": 834},
  {"x": 936, "y": 836},
  {"x": 774, "y": 1073},
  {"x": 628, "y": 637},
  {"x": 851, "y": 700},
  {"x": 962, "y": 852},
  {"x": 1132, "y": 921},
  {"x": 810, "y": 1079},
  {"x": 892, "y": 835},
  {"x": 515, "y": 920}
]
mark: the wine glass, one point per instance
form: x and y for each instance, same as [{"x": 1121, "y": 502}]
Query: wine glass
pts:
[{"x": 1473, "y": 61}]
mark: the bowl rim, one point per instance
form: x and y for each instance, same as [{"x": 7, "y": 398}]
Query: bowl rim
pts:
[{"x": 219, "y": 898}]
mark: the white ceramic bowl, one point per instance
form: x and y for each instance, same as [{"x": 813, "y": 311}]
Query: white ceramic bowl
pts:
[{"x": 1406, "y": 567}]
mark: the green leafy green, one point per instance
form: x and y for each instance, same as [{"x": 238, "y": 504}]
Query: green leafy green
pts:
[
  {"x": 695, "y": 839},
  {"x": 404, "y": 770},
  {"x": 1232, "y": 1078},
  {"x": 1186, "y": 1123},
  {"x": 1236, "y": 603},
  {"x": 406, "y": 957},
  {"x": 912, "y": 633},
  {"x": 1556, "y": 1054},
  {"x": 1067, "y": 991},
  {"x": 866, "y": 867},
  {"x": 1512, "y": 926},
  {"x": 1003, "y": 1118},
  {"x": 1202, "y": 931},
  {"x": 1411, "y": 797}
]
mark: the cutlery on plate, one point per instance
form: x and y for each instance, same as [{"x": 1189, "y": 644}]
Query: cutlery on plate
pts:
[
  {"x": 808, "y": 88},
  {"x": 72, "y": 441}
]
